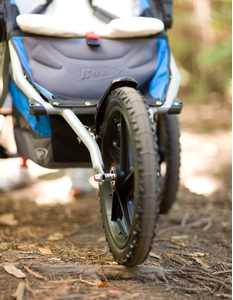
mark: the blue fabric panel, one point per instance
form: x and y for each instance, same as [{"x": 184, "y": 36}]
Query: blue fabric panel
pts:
[
  {"x": 18, "y": 42},
  {"x": 12, "y": 1},
  {"x": 144, "y": 5},
  {"x": 159, "y": 82},
  {"x": 21, "y": 102}
]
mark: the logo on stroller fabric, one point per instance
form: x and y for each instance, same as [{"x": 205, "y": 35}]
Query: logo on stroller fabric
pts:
[
  {"x": 41, "y": 153},
  {"x": 94, "y": 73}
]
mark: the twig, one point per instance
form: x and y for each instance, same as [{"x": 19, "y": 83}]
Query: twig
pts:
[
  {"x": 19, "y": 294},
  {"x": 106, "y": 280},
  {"x": 73, "y": 280},
  {"x": 190, "y": 290},
  {"x": 185, "y": 219},
  {"x": 28, "y": 287},
  {"x": 222, "y": 272},
  {"x": 224, "y": 296},
  {"x": 109, "y": 271},
  {"x": 168, "y": 229},
  {"x": 201, "y": 222},
  {"x": 79, "y": 296},
  {"x": 213, "y": 280}
]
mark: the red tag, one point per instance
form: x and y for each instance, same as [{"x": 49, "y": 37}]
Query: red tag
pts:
[{"x": 92, "y": 36}]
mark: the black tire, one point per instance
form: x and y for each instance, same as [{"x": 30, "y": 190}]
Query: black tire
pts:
[
  {"x": 129, "y": 205},
  {"x": 169, "y": 152}
]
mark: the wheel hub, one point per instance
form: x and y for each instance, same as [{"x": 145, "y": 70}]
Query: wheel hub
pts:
[{"x": 113, "y": 181}]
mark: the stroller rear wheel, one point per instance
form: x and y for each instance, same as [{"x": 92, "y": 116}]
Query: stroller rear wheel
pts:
[{"x": 129, "y": 204}]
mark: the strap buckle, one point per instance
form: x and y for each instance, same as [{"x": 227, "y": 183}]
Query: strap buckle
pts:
[{"x": 93, "y": 39}]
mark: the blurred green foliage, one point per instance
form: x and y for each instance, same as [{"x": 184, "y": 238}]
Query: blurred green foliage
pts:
[{"x": 201, "y": 42}]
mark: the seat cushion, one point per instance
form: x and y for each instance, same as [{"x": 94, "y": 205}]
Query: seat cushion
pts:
[{"x": 118, "y": 28}]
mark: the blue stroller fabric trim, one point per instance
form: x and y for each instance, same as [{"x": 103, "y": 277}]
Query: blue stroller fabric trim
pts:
[
  {"x": 18, "y": 42},
  {"x": 144, "y": 5},
  {"x": 21, "y": 102},
  {"x": 159, "y": 82}
]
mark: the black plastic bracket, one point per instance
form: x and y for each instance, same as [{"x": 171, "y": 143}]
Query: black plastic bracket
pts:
[
  {"x": 36, "y": 108},
  {"x": 176, "y": 107}
]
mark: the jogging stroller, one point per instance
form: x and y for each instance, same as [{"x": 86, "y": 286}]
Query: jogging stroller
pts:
[{"x": 99, "y": 90}]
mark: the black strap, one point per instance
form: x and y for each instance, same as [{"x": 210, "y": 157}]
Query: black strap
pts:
[
  {"x": 2, "y": 22},
  {"x": 167, "y": 10},
  {"x": 102, "y": 14},
  {"x": 90, "y": 1},
  {"x": 41, "y": 8},
  {"x": 98, "y": 12}
]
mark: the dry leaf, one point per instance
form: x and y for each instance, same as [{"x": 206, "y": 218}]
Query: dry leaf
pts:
[
  {"x": 180, "y": 244},
  {"x": 152, "y": 254},
  {"x": 154, "y": 263},
  {"x": 3, "y": 246},
  {"x": 115, "y": 292},
  {"x": 171, "y": 255},
  {"x": 61, "y": 290},
  {"x": 100, "y": 283},
  {"x": 14, "y": 271},
  {"x": 44, "y": 250},
  {"x": 23, "y": 247},
  {"x": 55, "y": 259},
  {"x": 196, "y": 254},
  {"x": 8, "y": 219},
  {"x": 199, "y": 261},
  {"x": 101, "y": 239},
  {"x": 56, "y": 236},
  {"x": 35, "y": 274},
  {"x": 179, "y": 237}
]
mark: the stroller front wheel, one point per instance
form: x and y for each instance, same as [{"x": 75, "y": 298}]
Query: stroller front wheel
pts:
[{"x": 129, "y": 203}]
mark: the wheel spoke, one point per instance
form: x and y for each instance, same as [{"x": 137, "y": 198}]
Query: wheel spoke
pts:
[
  {"x": 128, "y": 183},
  {"x": 124, "y": 154},
  {"x": 122, "y": 199},
  {"x": 126, "y": 214},
  {"x": 116, "y": 209},
  {"x": 114, "y": 152}
]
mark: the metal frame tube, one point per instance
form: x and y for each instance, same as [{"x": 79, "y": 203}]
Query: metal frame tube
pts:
[
  {"x": 67, "y": 114},
  {"x": 22, "y": 83},
  {"x": 86, "y": 138},
  {"x": 172, "y": 88}
]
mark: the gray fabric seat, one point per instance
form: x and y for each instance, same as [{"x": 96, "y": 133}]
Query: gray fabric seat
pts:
[{"x": 71, "y": 69}]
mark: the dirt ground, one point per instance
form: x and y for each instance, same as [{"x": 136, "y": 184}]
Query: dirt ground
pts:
[{"x": 58, "y": 244}]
